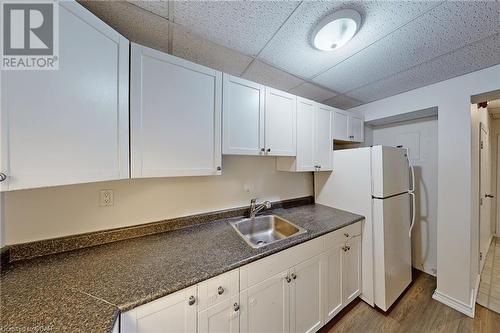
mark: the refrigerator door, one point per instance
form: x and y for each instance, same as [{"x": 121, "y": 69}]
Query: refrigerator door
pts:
[
  {"x": 390, "y": 171},
  {"x": 392, "y": 248}
]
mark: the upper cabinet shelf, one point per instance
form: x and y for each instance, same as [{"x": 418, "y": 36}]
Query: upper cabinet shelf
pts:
[
  {"x": 257, "y": 120},
  {"x": 175, "y": 116},
  {"x": 348, "y": 127},
  {"x": 69, "y": 125}
]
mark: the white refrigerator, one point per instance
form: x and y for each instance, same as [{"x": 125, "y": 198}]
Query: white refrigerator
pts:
[{"x": 378, "y": 183}]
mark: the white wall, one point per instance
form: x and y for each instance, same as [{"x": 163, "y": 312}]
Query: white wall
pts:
[
  {"x": 421, "y": 137},
  {"x": 457, "y": 212},
  {"x": 65, "y": 210}
]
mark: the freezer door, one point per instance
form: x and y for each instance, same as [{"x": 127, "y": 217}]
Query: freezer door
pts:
[
  {"x": 392, "y": 248},
  {"x": 390, "y": 171}
]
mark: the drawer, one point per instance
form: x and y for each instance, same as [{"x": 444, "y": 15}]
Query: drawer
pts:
[
  {"x": 262, "y": 269},
  {"x": 218, "y": 289},
  {"x": 342, "y": 234}
]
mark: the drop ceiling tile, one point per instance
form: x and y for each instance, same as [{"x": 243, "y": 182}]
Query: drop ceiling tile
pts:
[
  {"x": 465, "y": 60},
  {"x": 270, "y": 76},
  {"x": 201, "y": 51},
  {"x": 342, "y": 102},
  {"x": 441, "y": 30},
  {"x": 378, "y": 19},
  {"x": 245, "y": 26},
  {"x": 312, "y": 91},
  {"x": 132, "y": 22},
  {"x": 158, "y": 7}
]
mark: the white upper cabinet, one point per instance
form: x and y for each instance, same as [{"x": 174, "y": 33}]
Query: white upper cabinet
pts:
[
  {"x": 348, "y": 127},
  {"x": 175, "y": 110},
  {"x": 314, "y": 139},
  {"x": 69, "y": 125},
  {"x": 280, "y": 133},
  {"x": 243, "y": 117}
]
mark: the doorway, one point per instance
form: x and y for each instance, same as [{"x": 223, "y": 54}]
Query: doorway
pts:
[{"x": 485, "y": 193}]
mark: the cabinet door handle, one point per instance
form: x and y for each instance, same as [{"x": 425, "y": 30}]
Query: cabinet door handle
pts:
[
  {"x": 268, "y": 150},
  {"x": 346, "y": 234},
  {"x": 220, "y": 290},
  {"x": 263, "y": 149},
  {"x": 236, "y": 307},
  {"x": 3, "y": 176},
  {"x": 288, "y": 279},
  {"x": 191, "y": 300},
  {"x": 219, "y": 168},
  {"x": 294, "y": 276}
]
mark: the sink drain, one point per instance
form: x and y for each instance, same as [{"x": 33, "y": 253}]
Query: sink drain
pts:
[{"x": 261, "y": 242}]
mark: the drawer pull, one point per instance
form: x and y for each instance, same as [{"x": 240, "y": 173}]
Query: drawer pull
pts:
[{"x": 236, "y": 307}]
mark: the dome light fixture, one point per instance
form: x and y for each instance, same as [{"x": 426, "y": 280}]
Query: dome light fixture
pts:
[{"x": 335, "y": 30}]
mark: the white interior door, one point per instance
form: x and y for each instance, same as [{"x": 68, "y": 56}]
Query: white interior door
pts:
[
  {"x": 485, "y": 196},
  {"x": 243, "y": 117}
]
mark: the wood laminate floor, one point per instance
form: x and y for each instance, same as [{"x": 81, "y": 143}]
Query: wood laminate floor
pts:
[{"x": 415, "y": 311}]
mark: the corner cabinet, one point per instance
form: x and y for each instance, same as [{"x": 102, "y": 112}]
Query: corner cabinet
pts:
[
  {"x": 175, "y": 116},
  {"x": 348, "y": 127},
  {"x": 314, "y": 139},
  {"x": 257, "y": 120},
  {"x": 69, "y": 125},
  {"x": 296, "y": 290}
]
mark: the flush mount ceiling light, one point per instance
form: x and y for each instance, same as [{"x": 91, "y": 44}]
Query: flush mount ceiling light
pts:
[{"x": 336, "y": 30}]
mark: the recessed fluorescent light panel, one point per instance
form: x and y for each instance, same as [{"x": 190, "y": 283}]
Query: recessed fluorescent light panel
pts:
[{"x": 335, "y": 30}]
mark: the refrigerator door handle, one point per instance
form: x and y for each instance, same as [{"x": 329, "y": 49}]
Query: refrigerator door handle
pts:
[
  {"x": 412, "y": 212},
  {"x": 412, "y": 178}
]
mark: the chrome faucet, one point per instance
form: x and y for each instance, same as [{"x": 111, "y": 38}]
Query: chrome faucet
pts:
[{"x": 254, "y": 210}]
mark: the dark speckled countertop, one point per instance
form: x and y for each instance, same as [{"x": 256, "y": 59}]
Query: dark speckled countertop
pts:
[{"x": 86, "y": 289}]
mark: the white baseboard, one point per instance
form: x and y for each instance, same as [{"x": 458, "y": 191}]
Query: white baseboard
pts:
[{"x": 467, "y": 309}]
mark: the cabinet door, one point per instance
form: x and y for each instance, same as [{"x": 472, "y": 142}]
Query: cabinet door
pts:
[
  {"x": 305, "y": 135},
  {"x": 175, "y": 116},
  {"x": 324, "y": 140},
  {"x": 351, "y": 270},
  {"x": 306, "y": 303},
  {"x": 265, "y": 307},
  {"x": 243, "y": 117},
  {"x": 224, "y": 317},
  {"x": 172, "y": 313},
  {"x": 280, "y": 123},
  {"x": 341, "y": 126},
  {"x": 333, "y": 301},
  {"x": 356, "y": 129},
  {"x": 69, "y": 125}
]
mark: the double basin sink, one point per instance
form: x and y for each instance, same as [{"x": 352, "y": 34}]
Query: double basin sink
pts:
[{"x": 263, "y": 230}]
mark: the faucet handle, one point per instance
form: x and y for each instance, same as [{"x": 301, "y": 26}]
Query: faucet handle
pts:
[{"x": 267, "y": 204}]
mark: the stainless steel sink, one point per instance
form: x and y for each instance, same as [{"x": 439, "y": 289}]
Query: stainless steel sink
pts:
[{"x": 266, "y": 229}]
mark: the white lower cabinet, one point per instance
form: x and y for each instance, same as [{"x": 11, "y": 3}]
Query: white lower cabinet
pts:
[
  {"x": 297, "y": 290},
  {"x": 306, "y": 308},
  {"x": 174, "y": 313},
  {"x": 222, "y": 317},
  {"x": 265, "y": 307}
]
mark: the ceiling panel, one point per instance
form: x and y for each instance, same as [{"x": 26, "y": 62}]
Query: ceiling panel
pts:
[
  {"x": 445, "y": 28},
  {"x": 342, "y": 102},
  {"x": 132, "y": 22},
  {"x": 264, "y": 74},
  {"x": 201, "y": 51},
  {"x": 245, "y": 26},
  {"x": 467, "y": 59},
  {"x": 312, "y": 91},
  {"x": 378, "y": 17}
]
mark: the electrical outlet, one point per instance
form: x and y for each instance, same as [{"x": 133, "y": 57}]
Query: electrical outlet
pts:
[{"x": 106, "y": 198}]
